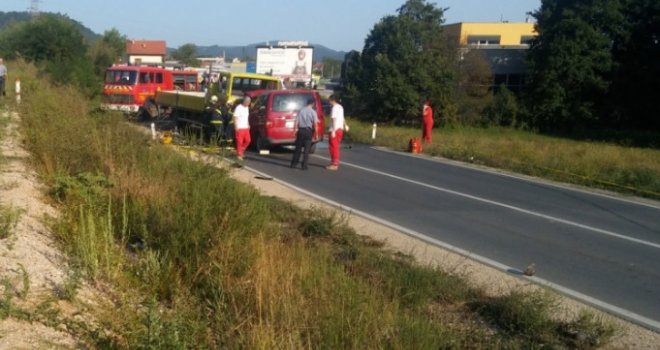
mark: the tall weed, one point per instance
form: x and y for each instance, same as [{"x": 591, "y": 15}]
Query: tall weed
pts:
[{"x": 527, "y": 319}]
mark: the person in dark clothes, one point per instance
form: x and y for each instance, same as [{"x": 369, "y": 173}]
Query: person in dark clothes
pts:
[{"x": 305, "y": 127}]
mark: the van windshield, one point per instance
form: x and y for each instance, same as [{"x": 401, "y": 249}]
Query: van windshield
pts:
[
  {"x": 121, "y": 77},
  {"x": 290, "y": 102}
]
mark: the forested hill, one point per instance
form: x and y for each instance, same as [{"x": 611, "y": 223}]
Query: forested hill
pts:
[{"x": 7, "y": 18}]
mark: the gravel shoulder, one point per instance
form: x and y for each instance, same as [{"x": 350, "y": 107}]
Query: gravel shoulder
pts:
[{"x": 32, "y": 270}]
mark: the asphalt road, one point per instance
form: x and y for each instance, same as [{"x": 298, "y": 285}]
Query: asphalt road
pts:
[{"x": 601, "y": 249}]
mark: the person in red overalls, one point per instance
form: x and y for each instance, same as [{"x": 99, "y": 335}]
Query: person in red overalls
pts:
[
  {"x": 242, "y": 127},
  {"x": 336, "y": 132},
  {"x": 427, "y": 122}
]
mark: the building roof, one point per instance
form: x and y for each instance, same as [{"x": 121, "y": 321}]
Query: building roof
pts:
[{"x": 146, "y": 47}]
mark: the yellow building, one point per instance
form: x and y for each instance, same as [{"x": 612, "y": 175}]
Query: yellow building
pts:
[
  {"x": 491, "y": 34},
  {"x": 504, "y": 45}
]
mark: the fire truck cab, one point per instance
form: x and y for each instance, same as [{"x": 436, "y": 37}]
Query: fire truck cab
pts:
[{"x": 131, "y": 89}]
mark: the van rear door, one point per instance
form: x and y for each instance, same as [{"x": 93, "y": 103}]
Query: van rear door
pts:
[{"x": 282, "y": 116}]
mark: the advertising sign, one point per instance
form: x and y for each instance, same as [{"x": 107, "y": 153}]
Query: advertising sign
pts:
[{"x": 291, "y": 63}]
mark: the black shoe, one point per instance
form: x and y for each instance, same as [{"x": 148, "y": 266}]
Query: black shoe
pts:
[{"x": 304, "y": 168}]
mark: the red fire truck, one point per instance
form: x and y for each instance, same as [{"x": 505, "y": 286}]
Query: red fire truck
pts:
[{"x": 131, "y": 88}]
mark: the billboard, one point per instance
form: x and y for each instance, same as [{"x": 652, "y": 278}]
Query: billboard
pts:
[{"x": 292, "y": 63}]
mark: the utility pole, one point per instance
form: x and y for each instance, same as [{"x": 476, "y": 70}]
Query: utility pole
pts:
[{"x": 34, "y": 8}]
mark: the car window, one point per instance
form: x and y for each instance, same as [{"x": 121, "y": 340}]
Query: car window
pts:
[
  {"x": 290, "y": 102},
  {"x": 237, "y": 85},
  {"x": 126, "y": 77},
  {"x": 145, "y": 78}
]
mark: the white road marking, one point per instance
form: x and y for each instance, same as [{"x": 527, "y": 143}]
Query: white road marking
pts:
[
  {"x": 529, "y": 179},
  {"x": 507, "y": 206}
]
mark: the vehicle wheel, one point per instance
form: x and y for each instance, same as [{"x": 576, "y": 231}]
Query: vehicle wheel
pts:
[
  {"x": 141, "y": 115},
  {"x": 152, "y": 109},
  {"x": 312, "y": 149}
]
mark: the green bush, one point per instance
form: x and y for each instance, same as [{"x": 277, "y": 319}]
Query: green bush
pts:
[
  {"x": 503, "y": 110},
  {"x": 588, "y": 331},
  {"x": 81, "y": 187},
  {"x": 525, "y": 314}
]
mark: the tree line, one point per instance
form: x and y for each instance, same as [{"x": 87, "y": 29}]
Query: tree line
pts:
[
  {"x": 57, "y": 45},
  {"x": 595, "y": 64}
]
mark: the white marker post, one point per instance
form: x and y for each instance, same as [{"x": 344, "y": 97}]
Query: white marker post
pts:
[
  {"x": 153, "y": 131},
  {"x": 18, "y": 90},
  {"x": 373, "y": 132}
]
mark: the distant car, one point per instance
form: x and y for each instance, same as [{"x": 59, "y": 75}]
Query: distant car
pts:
[{"x": 273, "y": 114}]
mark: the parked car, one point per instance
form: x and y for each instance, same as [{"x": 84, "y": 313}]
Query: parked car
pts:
[{"x": 273, "y": 114}]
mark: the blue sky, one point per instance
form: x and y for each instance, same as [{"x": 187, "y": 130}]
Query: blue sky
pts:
[{"x": 337, "y": 24}]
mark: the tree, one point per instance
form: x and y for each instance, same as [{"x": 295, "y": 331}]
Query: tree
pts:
[
  {"x": 44, "y": 38},
  {"x": 187, "y": 54},
  {"x": 571, "y": 61},
  {"x": 56, "y": 45},
  {"x": 503, "y": 110},
  {"x": 351, "y": 83},
  {"x": 473, "y": 91},
  {"x": 108, "y": 50},
  {"x": 115, "y": 40},
  {"x": 102, "y": 56},
  {"x": 331, "y": 67},
  {"x": 404, "y": 60},
  {"x": 633, "y": 97}
]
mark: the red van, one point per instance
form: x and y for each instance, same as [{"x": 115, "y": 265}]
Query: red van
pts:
[{"x": 273, "y": 114}]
